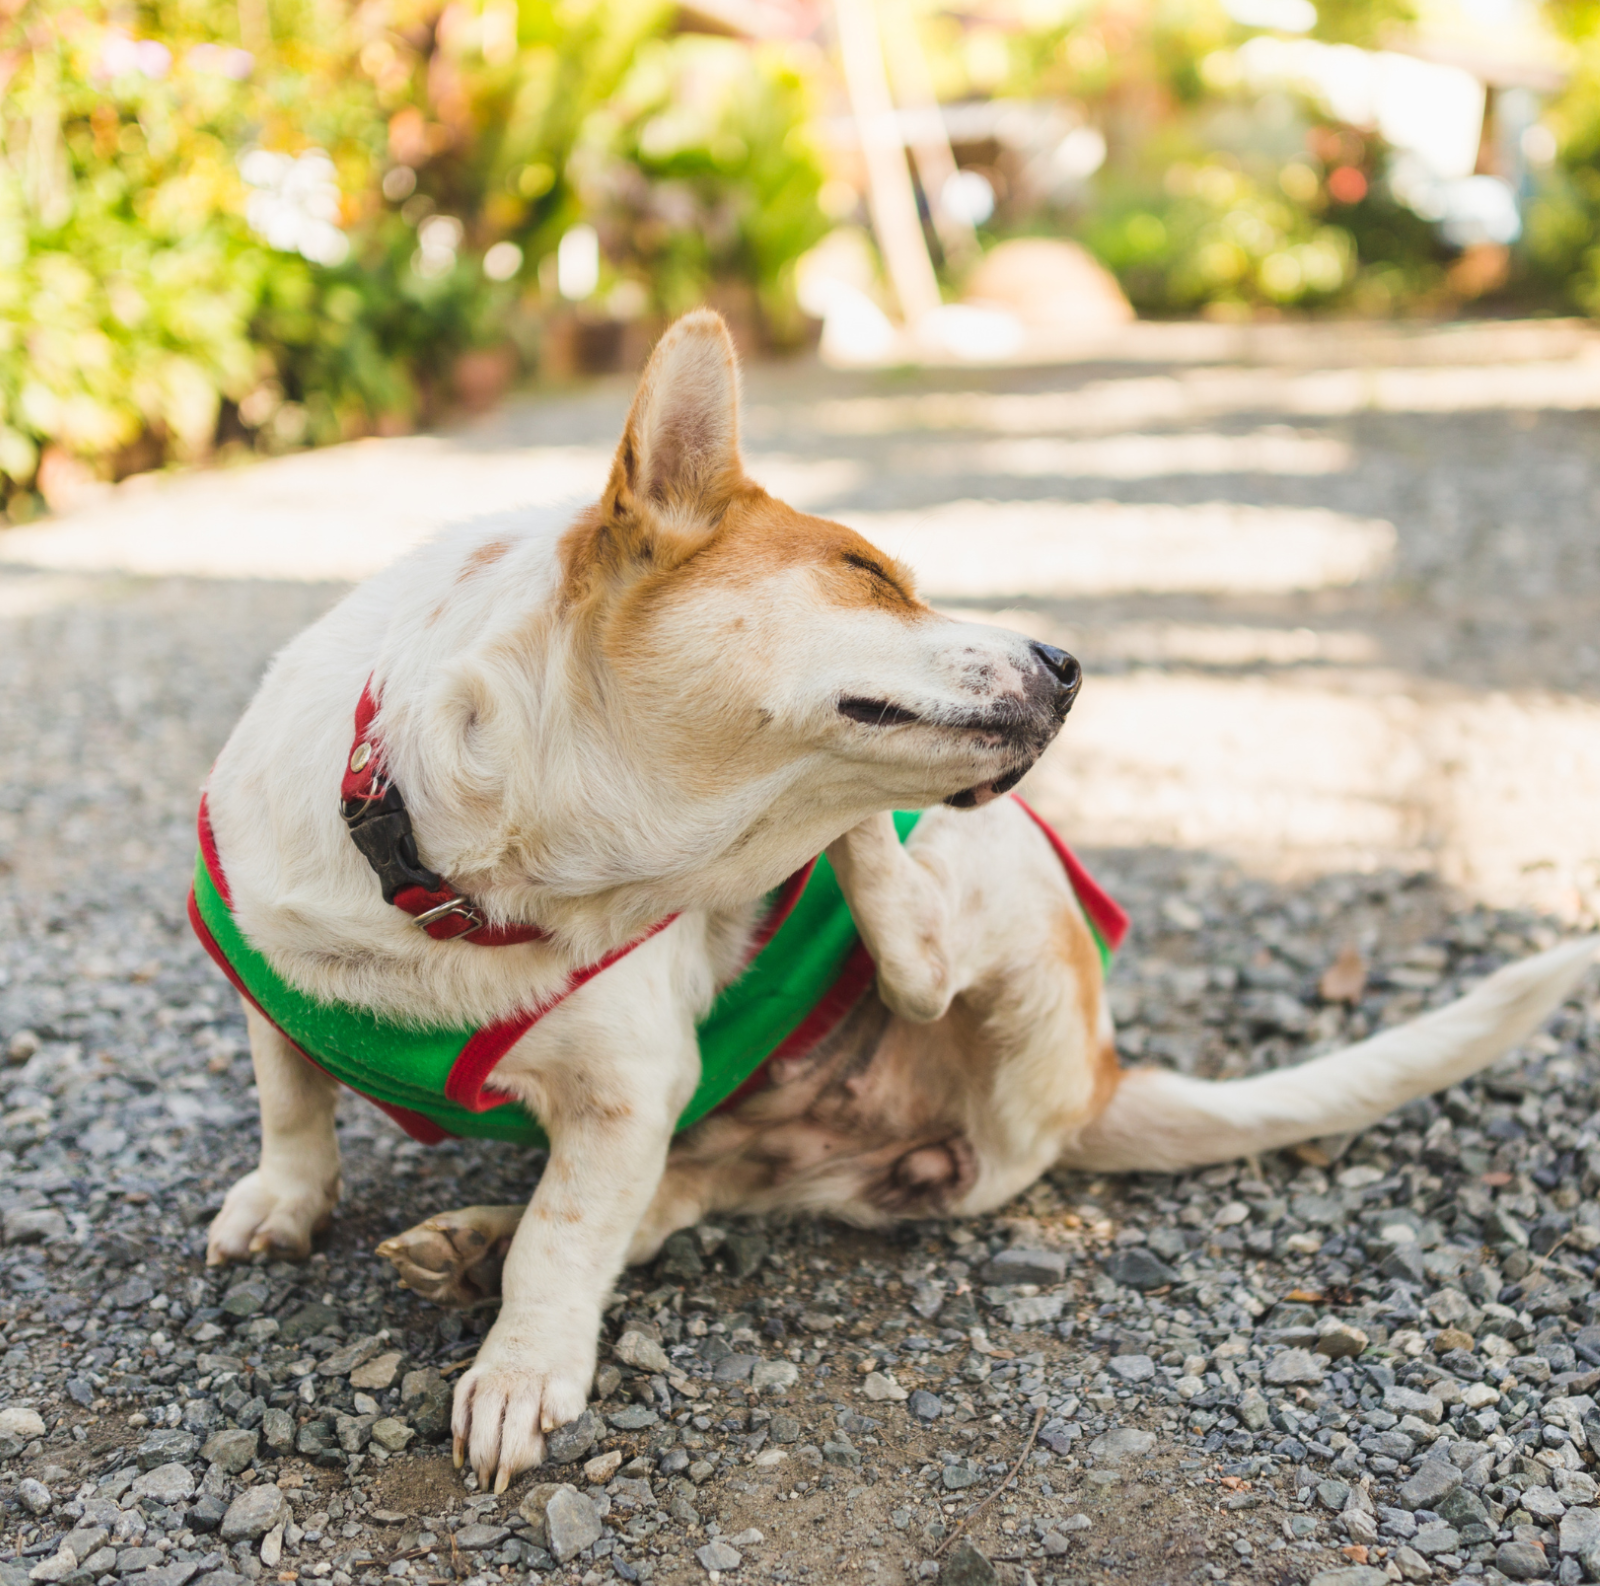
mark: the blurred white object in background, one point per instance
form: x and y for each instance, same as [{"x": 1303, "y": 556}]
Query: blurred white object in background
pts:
[
  {"x": 968, "y": 196},
  {"x": 295, "y": 205},
  {"x": 502, "y": 261},
  {"x": 974, "y": 333},
  {"x": 836, "y": 282},
  {"x": 578, "y": 263},
  {"x": 1283, "y": 16},
  {"x": 438, "y": 238}
]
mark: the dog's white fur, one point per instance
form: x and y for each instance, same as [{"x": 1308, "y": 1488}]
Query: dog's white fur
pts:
[{"x": 599, "y": 724}]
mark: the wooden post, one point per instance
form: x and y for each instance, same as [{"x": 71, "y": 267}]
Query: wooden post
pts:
[
  {"x": 930, "y": 143},
  {"x": 890, "y": 195}
]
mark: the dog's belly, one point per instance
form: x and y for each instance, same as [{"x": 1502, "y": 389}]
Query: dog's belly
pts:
[{"x": 870, "y": 1124}]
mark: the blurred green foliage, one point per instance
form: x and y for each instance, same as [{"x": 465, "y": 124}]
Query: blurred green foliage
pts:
[{"x": 275, "y": 221}]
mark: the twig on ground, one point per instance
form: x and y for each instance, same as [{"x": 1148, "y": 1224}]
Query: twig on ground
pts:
[{"x": 1011, "y": 1475}]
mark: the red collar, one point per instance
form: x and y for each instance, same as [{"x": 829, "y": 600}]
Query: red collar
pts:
[{"x": 380, "y": 827}]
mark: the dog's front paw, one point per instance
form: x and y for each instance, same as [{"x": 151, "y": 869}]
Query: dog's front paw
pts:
[
  {"x": 503, "y": 1410},
  {"x": 262, "y": 1213}
]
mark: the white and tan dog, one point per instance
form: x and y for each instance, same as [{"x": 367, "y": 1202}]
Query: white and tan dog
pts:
[{"x": 663, "y": 709}]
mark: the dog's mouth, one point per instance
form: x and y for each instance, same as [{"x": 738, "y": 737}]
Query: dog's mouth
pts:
[
  {"x": 885, "y": 713},
  {"x": 876, "y": 712},
  {"x": 987, "y": 792}
]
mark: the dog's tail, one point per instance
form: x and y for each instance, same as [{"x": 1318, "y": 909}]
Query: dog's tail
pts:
[{"x": 1159, "y": 1121}]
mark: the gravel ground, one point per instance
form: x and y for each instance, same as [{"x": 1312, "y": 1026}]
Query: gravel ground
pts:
[{"x": 1375, "y": 1358}]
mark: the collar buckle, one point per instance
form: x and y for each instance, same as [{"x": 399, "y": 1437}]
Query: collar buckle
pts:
[{"x": 452, "y": 908}]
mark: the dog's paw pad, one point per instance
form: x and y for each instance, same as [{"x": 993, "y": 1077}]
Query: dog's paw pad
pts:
[{"x": 456, "y": 1257}]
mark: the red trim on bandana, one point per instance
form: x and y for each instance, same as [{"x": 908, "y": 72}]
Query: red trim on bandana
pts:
[{"x": 1107, "y": 915}]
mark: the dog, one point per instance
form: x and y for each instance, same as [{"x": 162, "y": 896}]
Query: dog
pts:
[{"x": 507, "y": 838}]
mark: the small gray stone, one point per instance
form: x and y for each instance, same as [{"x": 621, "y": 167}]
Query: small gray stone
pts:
[
  {"x": 168, "y": 1484},
  {"x": 572, "y": 1442},
  {"x": 1350, "y": 1575},
  {"x": 474, "y": 1538},
  {"x": 177, "y": 1574},
  {"x": 253, "y": 1513},
  {"x": 15, "y": 1421},
  {"x": 680, "y": 1257},
  {"x": 1295, "y": 1368},
  {"x": 35, "y": 1225},
  {"x": 1133, "y": 1368},
  {"x": 343, "y": 1361},
  {"x": 571, "y": 1523},
  {"x": 925, "y": 1406},
  {"x": 86, "y": 1539},
  {"x": 642, "y": 1352},
  {"x": 246, "y": 1297},
  {"x": 378, "y": 1373},
  {"x": 1435, "y": 1479},
  {"x": 966, "y": 1566},
  {"x": 1122, "y": 1442},
  {"x": 1580, "y": 1530},
  {"x": 55, "y": 1568},
  {"x": 735, "y": 1368},
  {"x": 133, "y": 1559},
  {"x": 958, "y": 1476},
  {"x": 166, "y": 1446},
  {"x": 1332, "y": 1494},
  {"x": 718, "y": 1555},
  {"x": 1138, "y": 1268},
  {"x": 35, "y": 1495},
  {"x": 1339, "y": 1340},
  {"x": 773, "y": 1377},
  {"x": 1254, "y": 1411},
  {"x": 277, "y": 1430},
  {"x": 1521, "y": 1561},
  {"x": 1438, "y": 1537},
  {"x": 745, "y": 1252},
  {"x": 1406, "y": 1401},
  {"x": 391, "y": 1434},
  {"x": 232, "y": 1448},
  {"x": 634, "y": 1418},
  {"x": 1059, "y": 1436},
  {"x": 354, "y": 1432},
  {"x": 1044, "y": 1267}
]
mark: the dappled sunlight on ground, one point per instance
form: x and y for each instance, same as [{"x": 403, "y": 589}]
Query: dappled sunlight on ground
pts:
[{"x": 1335, "y": 588}]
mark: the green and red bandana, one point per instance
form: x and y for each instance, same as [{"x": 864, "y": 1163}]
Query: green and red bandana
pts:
[{"x": 808, "y": 967}]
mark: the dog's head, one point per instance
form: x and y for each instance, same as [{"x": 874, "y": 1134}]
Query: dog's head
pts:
[{"x": 752, "y": 681}]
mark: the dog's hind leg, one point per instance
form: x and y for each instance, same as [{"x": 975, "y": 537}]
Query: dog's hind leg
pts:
[
  {"x": 455, "y": 1257},
  {"x": 293, "y": 1192}
]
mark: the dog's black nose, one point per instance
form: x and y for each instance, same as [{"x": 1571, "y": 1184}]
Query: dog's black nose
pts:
[{"x": 1065, "y": 670}]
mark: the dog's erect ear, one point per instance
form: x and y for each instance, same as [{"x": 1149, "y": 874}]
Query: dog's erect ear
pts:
[{"x": 678, "y": 464}]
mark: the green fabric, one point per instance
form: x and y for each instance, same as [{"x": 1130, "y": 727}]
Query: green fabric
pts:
[{"x": 407, "y": 1067}]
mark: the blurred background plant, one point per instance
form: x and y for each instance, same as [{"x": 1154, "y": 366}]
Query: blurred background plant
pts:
[
  {"x": 281, "y": 222},
  {"x": 262, "y": 224}
]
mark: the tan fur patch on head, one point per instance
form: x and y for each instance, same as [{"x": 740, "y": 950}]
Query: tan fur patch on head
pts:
[{"x": 760, "y": 536}]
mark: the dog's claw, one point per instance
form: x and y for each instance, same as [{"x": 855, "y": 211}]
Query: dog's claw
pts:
[
  {"x": 458, "y": 1451},
  {"x": 502, "y": 1481}
]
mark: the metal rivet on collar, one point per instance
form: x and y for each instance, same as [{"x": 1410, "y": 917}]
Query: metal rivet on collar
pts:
[{"x": 359, "y": 756}]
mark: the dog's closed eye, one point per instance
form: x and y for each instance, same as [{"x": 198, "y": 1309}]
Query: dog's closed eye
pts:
[{"x": 875, "y": 712}]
